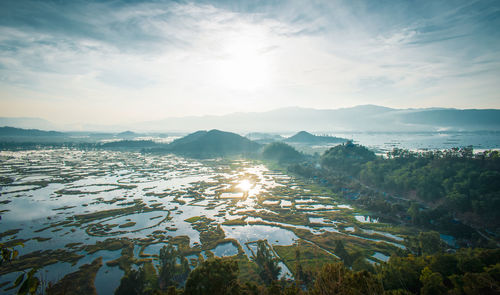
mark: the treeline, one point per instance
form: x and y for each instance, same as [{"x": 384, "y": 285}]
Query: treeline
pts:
[
  {"x": 134, "y": 145},
  {"x": 455, "y": 179},
  {"x": 281, "y": 153},
  {"x": 432, "y": 271},
  {"x": 438, "y": 190},
  {"x": 465, "y": 272}
]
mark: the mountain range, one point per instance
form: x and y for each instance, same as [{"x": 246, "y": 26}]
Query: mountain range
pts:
[
  {"x": 18, "y": 132},
  {"x": 360, "y": 118},
  {"x": 308, "y": 138}
]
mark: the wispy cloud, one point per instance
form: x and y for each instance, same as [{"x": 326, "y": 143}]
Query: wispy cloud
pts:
[{"x": 139, "y": 60}]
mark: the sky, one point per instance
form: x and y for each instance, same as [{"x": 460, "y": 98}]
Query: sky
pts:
[{"x": 110, "y": 62}]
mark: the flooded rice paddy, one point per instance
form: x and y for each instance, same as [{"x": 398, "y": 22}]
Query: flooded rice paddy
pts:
[{"x": 69, "y": 207}]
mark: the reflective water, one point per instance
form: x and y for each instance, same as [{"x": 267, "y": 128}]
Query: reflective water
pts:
[
  {"x": 225, "y": 249},
  {"x": 75, "y": 196},
  {"x": 381, "y": 256},
  {"x": 366, "y": 219}
]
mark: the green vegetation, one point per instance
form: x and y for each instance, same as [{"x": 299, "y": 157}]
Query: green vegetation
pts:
[
  {"x": 281, "y": 152},
  {"x": 304, "y": 257},
  {"x": 172, "y": 273},
  {"x": 127, "y": 224},
  {"x": 469, "y": 271},
  {"x": 193, "y": 219},
  {"x": 312, "y": 208},
  {"x": 9, "y": 233},
  {"x": 108, "y": 244},
  {"x": 131, "y": 144},
  {"x": 27, "y": 282},
  {"x": 132, "y": 283},
  {"x": 127, "y": 258},
  {"x": 211, "y": 233},
  {"x": 337, "y": 279},
  {"x": 347, "y": 157},
  {"x": 267, "y": 262},
  {"x": 214, "y": 276},
  {"x": 454, "y": 191},
  {"x": 79, "y": 282},
  {"x": 37, "y": 259},
  {"x": 455, "y": 180},
  {"x": 20, "y": 132},
  {"x": 212, "y": 143}
]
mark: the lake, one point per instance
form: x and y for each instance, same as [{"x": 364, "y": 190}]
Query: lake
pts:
[{"x": 65, "y": 202}]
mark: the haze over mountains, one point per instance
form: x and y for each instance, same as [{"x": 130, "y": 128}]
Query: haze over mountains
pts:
[
  {"x": 359, "y": 118},
  {"x": 306, "y": 137}
]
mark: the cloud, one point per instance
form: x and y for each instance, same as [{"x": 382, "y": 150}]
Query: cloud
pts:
[{"x": 161, "y": 58}]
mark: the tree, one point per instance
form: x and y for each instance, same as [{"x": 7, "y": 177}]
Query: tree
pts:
[
  {"x": 132, "y": 283},
  {"x": 336, "y": 279},
  {"x": 27, "y": 282},
  {"x": 214, "y": 276},
  {"x": 281, "y": 152},
  {"x": 267, "y": 263},
  {"x": 414, "y": 212},
  {"x": 402, "y": 273},
  {"x": 432, "y": 282},
  {"x": 445, "y": 264},
  {"x": 172, "y": 273},
  {"x": 347, "y": 157},
  {"x": 341, "y": 252},
  {"x": 430, "y": 242}
]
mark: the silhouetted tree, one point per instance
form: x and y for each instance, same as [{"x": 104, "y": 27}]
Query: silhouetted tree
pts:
[
  {"x": 171, "y": 272},
  {"x": 267, "y": 263},
  {"x": 214, "y": 276},
  {"x": 132, "y": 283}
]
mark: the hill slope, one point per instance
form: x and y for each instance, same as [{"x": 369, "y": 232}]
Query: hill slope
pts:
[
  {"x": 281, "y": 152},
  {"x": 213, "y": 142},
  {"x": 19, "y": 132}
]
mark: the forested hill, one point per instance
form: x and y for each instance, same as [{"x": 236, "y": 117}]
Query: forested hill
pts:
[
  {"x": 457, "y": 181},
  {"x": 213, "y": 143}
]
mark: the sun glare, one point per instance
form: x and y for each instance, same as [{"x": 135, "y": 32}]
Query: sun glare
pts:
[
  {"x": 245, "y": 185},
  {"x": 243, "y": 66}
]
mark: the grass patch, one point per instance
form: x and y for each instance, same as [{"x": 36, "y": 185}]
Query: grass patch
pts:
[
  {"x": 9, "y": 233},
  {"x": 128, "y": 224},
  {"x": 311, "y": 257},
  {"x": 78, "y": 282},
  {"x": 193, "y": 219},
  {"x": 39, "y": 259}
]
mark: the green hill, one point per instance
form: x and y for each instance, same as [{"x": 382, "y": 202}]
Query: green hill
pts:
[
  {"x": 281, "y": 152},
  {"x": 213, "y": 143},
  {"x": 347, "y": 157}
]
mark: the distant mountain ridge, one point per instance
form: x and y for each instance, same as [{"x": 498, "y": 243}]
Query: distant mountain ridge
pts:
[
  {"x": 19, "y": 132},
  {"x": 27, "y": 123},
  {"x": 369, "y": 118},
  {"x": 364, "y": 118},
  {"x": 306, "y": 137}
]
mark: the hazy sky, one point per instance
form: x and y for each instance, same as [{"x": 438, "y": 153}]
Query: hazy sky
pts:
[{"x": 108, "y": 62}]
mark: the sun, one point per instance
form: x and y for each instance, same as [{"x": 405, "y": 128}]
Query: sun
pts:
[
  {"x": 245, "y": 185},
  {"x": 243, "y": 65}
]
